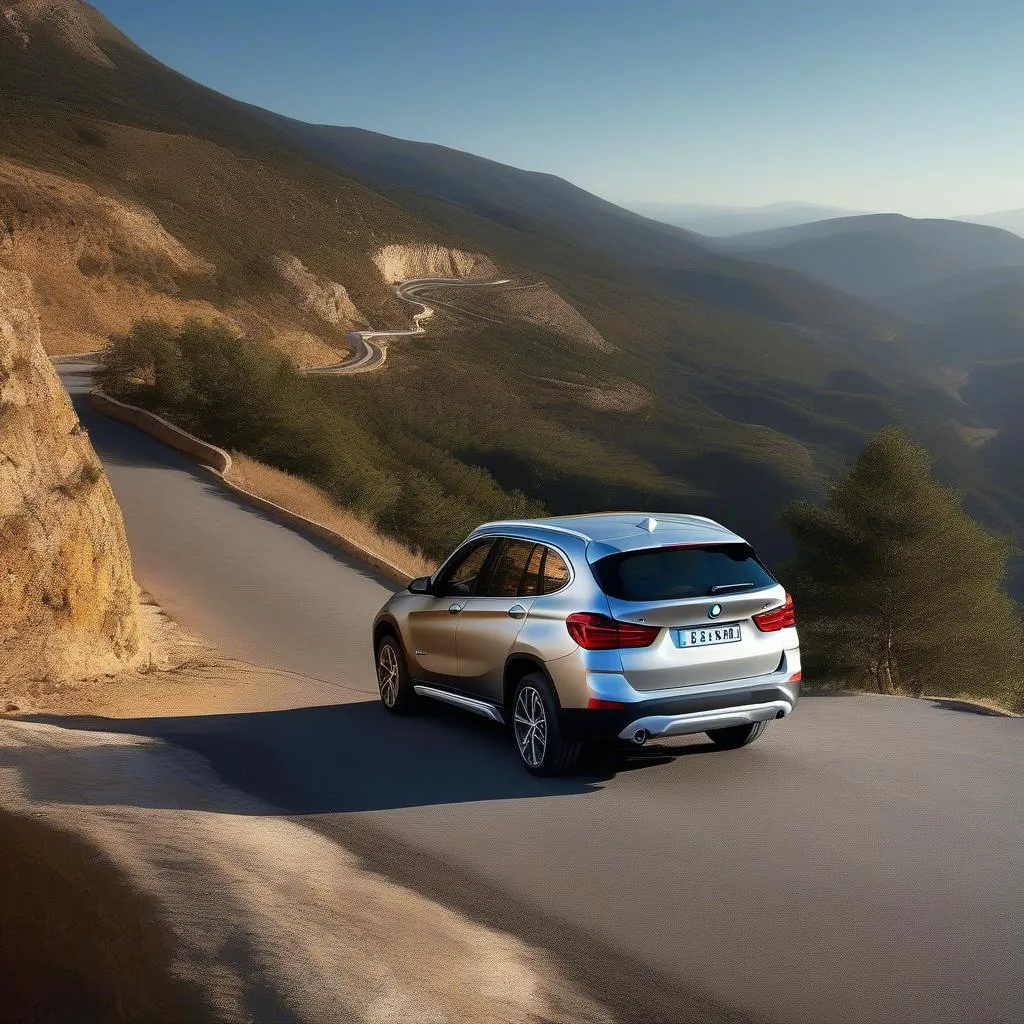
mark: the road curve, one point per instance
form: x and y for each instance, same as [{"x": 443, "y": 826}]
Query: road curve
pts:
[
  {"x": 367, "y": 355},
  {"x": 863, "y": 862}
]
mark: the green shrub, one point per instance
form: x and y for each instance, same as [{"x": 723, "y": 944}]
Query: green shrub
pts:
[{"x": 243, "y": 395}]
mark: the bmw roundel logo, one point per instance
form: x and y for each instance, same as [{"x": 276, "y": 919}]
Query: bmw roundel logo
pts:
[{"x": 714, "y": 611}]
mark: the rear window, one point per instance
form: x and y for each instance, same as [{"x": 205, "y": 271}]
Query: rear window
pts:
[{"x": 661, "y": 574}]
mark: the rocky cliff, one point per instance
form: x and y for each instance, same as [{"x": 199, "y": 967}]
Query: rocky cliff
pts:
[
  {"x": 68, "y": 603},
  {"x": 401, "y": 262}
]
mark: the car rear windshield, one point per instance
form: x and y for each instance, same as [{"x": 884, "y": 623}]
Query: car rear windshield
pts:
[{"x": 661, "y": 574}]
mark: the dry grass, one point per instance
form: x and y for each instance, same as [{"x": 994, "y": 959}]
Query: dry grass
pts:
[{"x": 306, "y": 500}]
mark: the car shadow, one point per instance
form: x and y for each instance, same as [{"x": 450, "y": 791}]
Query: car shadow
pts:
[
  {"x": 315, "y": 760},
  {"x": 312, "y": 760}
]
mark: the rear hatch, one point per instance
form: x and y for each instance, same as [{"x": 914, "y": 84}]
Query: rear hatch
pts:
[{"x": 705, "y": 597}]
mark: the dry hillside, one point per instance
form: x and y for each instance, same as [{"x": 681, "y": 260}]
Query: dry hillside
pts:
[
  {"x": 96, "y": 263},
  {"x": 68, "y": 602}
]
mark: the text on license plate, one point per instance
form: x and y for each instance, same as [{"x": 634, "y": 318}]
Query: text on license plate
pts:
[{"x": 702, "y": 636}]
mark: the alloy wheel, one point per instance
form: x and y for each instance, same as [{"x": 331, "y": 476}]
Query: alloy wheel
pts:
[
  {"x": 531, "y": 726},
  {"x": 387, "y": 674}
]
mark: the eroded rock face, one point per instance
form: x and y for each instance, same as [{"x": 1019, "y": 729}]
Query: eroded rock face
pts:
[
  {"x": 327, "y": 300},
  {"x": 401, "y": 262},
  {"x": 68, "y": 603}
]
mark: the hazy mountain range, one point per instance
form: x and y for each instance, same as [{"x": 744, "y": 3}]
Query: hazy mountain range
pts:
[
  {"x": 880, "y": 255},
  {"x": 1008, "y": 220},
  {"x": 721, "y": 221}
]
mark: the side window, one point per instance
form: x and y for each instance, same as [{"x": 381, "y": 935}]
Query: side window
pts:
[
  {"x": 531, "y": 579},
  {"x": 555, "y": 573},
  {"x": 509, "y": 567},
  {"x": 460, "y": 578}
]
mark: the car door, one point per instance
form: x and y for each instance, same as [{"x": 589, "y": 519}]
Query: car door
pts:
[
  {"x": 432, "y": 624},
  {"x": 491, "y": 619}
]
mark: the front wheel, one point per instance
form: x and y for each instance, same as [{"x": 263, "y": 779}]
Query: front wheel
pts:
[
  {"x": 542, "y": 748},
  {"x": 736, "y": 736},
  {"x": 396, "y": 692}
]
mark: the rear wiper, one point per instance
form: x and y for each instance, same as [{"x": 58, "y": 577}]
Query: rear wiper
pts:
[{"x": 729, "y": 586}]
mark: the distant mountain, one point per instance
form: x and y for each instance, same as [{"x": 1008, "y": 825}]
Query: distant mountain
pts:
[
  {"x": 880, "y": 255},
  {"x": 1008, "y": 220},
  {"x": 723, "y": 221}
]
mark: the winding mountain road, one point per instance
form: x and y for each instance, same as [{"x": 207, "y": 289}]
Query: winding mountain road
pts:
[
  {"x": 367, "y": 354},
  {"x": 863, "y": 862}
]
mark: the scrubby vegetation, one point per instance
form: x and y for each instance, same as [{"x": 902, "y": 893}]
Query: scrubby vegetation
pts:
[
  {"x": 898, "y": 589},
  {"x": 241, "y": 395}
]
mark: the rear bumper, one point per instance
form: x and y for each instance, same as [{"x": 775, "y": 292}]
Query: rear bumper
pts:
[{"x": 684, "y": 714}]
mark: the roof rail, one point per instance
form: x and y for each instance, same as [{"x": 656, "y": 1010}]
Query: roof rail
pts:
[{"x": 532, "y": 524}]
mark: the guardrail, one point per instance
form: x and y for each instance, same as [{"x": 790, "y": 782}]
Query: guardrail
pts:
[{"x": 219, "y": 461}]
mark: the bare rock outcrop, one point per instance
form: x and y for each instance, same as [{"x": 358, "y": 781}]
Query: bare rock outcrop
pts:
[
  {"x": 401, "y": 262},
  {"x": 68, "y": 603},
  {"x": 326, "y": 300}
]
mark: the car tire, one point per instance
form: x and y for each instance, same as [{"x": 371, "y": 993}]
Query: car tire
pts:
[
  {"x": 736, "y": 736},
  {"x": 537, "y": 730},
  {"x": 393, "y": 682}
]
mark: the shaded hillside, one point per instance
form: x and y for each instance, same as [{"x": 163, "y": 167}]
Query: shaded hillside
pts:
[
  {"x": 877, "y": 255},
  {"x": 987, "y": 325},
  {"x": 718, "y": 384},
  {"x": 925, "y": 300}
]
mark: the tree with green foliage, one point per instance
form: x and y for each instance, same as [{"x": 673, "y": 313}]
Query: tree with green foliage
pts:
[{"x": 898, "y": 587}]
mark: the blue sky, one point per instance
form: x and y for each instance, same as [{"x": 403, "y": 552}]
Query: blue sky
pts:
[{"x": 907, "y": 105}]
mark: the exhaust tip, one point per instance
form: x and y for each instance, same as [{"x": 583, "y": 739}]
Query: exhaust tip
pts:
[
  {"x": 780, "y": 714},
  {"x": 640, "y": 737}
]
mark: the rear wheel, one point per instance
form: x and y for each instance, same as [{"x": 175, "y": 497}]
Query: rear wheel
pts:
[
  {"x": 538, "y": 734},
  {"x": 396, "y": 692},
  {"x": 737, "y": 735}
]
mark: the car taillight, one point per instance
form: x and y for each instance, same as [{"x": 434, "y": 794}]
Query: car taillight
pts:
[
  {"x": 777, "y": 618},
  {"x": 599, "y": 633}
]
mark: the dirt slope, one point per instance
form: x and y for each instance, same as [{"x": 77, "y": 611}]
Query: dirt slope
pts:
[
  {"x": 68, "y": 604},
  {"x": 96, "y": 263}
]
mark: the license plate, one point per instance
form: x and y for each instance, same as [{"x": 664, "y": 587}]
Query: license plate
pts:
[{"x": 704, "y": 636}]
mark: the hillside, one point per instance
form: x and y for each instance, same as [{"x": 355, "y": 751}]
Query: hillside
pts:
[
  {"x": 978, "y": 326},
  {"x": 67, "y": 597},
  {"x": 541, "y": 221},
  {"x": 878, "y": 255},
  {"x": 633, "y": 364}
]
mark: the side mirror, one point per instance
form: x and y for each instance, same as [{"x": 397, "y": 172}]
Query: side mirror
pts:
[{"x": 420, "y": 585}]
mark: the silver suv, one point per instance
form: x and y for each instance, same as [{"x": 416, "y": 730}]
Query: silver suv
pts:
[{"x": 589, "y": 629}]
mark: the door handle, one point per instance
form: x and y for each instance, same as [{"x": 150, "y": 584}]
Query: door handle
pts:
[
  {"x": 454, "y": 609},
  {"x": 517, "y": 611}
]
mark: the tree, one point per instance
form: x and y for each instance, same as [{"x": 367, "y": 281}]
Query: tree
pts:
[{"x": 897, "y": 585}]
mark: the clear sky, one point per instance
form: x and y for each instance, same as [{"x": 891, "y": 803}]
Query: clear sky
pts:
[{"x": 907, "y": 105}]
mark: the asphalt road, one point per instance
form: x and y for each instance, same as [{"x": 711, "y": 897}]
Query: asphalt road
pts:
[
  {"x": 863, "y": 861},
  {"x": 367, "y": 354}
]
